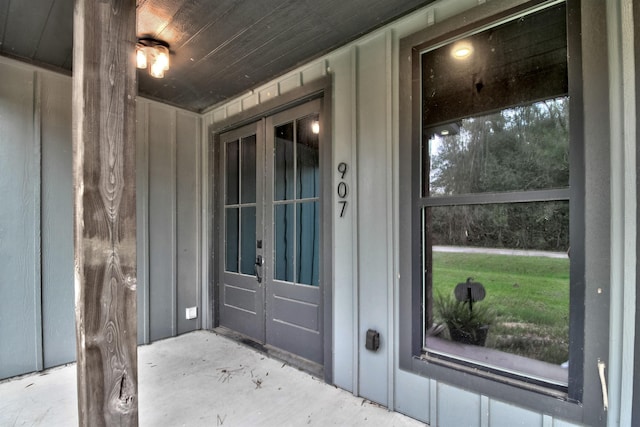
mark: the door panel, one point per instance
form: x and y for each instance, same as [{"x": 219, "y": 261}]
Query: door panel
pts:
[
  {"x": 241, "y": 296},
  {"x": 271, "y": 213},
  {"x": 292, "y": 236}
]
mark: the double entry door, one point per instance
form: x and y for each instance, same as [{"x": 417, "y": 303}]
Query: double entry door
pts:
[{"x": 270, "y": 282}]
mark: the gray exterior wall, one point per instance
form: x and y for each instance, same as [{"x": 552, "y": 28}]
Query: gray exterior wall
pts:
[
  {"x": 365, "y": 129},
  {"x": 36, "y": 283},
  {"x": 36, "y": 216},
  {"x": 168, "y": 197},
  {"x": 20, "y": 312}
]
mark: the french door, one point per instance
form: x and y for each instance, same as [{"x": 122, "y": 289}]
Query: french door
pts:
[{"x": 270, "y": 288}]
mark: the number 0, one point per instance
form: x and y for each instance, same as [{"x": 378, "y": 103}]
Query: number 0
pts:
[{"x": 342, "y": 190}]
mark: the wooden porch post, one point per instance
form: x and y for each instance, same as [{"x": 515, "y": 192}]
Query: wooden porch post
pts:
[{"x": 104, "y": 93}]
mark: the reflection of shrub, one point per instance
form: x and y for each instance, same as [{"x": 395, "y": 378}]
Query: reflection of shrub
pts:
[
  {"x": 464, "y": 324},
  {"x": 529, "y": 295}
]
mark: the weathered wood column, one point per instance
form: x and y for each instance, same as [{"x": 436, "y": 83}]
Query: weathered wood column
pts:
[{"x": 104, "y": 93}]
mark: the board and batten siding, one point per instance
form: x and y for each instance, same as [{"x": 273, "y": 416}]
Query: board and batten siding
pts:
[
  {"x": 365, "y": 272},
  {"x": 20, "y": 292},
  {"x": 169, "y": 245},
  {"x": 37, "y": 328}
]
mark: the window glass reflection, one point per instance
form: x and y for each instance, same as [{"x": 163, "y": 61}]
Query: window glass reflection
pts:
[
  {"x": 248, "y": 179},
  {"x": 519, "y": 253},
  {"x": 283, "y": 242},
  {"x": 283, "y": 162},
  {"x": 232, "y": 169},
  {"x": 307, "y": 154},
  {"x": 248, "y": 240},
  {"x": 232, "y": 235},
  {"x": 307, "y": 243},
  {"x": 516, "y": 149}
]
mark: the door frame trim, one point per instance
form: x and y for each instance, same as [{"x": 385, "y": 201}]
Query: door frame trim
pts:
[{"x": 320, "y": 88}]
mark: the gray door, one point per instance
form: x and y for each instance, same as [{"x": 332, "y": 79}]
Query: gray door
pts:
[{"x": 271, "y": 285}]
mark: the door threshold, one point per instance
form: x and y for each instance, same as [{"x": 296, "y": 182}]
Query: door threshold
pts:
[{"x": 314, "y": 369}]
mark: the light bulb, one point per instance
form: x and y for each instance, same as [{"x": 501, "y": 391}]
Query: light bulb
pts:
[
  {"x": 157, "y": 70},
  {"x": 462, "y": 50},
  {"x": 141, "y": 58},
  {"x": 162, "y": 57},
  {"x": 315, "y": 127}
]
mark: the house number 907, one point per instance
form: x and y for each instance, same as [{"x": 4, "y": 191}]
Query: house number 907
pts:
[{"x": 343, "y": 190}]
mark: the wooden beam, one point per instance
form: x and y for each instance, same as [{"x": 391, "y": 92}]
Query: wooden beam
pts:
[{"x": 104, "y": 93}]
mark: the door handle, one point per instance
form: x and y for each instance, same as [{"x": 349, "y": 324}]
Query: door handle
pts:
[{"x": 257, "y": 268}]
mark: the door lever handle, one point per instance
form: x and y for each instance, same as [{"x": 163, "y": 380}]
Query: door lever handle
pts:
[{"x": 257, "y": 268}]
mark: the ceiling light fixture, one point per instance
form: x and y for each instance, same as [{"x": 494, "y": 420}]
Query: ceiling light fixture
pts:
[{"x": 153, "y": 55}]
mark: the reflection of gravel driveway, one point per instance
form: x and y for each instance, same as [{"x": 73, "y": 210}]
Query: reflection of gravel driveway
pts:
[{"x": 494, "y": 251}]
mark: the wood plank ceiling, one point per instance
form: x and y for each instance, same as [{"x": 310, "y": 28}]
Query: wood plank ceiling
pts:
[{"x": 219, "y": 48}]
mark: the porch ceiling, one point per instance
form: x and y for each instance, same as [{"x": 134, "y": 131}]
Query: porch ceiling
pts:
[{"x": 219, "y": 49}]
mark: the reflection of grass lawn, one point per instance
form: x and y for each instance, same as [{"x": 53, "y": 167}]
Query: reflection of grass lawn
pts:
[{"x": 530, "y": 295}]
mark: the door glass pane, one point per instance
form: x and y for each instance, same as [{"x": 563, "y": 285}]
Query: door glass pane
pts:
[
  {"x": 232, "y": 235},
  {"x": 232, "y": 157},
  {"x": 283, "y": 242},
  {"x": 307, "y": 131},
  {"x": 248, "y": 165},
  {"x": 307, "y": 239},
  {"x": 248, "y": 240},
  {"x": 283, "y": 162}
]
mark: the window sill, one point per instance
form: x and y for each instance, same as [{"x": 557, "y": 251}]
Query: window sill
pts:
[{"x": 524, "y": 372}]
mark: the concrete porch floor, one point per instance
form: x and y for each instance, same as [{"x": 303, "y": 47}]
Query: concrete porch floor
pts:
[{"x": 201, "y": 379}]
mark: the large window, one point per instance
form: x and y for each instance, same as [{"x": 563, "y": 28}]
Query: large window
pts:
[
  {"x": 494, "y": 199},
  {"x": 505, "y": 255}
]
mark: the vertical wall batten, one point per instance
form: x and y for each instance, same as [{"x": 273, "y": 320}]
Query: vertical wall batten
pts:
[
  {"x": 199, "y": 302},
  {"x": 354, "y": 222},
  {"x": 206, "y": 216},
  {"x": 142, "y": 206},
  {"x": 617, "y": 201},
  {"x": 197, "y": 223},
  {"x": 37, "y": 228},
  {"x": 484, "y": 411},
  {"x": 635, "y": 415},
  {"x": 351, "y": 75},
  {"x": 433, "y": 402},
  {"x": 630, "y": 328},
  {"x": 391, "y": 223},
  {"x": 174, "y": 223}
]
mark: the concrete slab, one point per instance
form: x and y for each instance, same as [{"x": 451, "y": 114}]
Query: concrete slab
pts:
[{"x": 201, "y": 379}]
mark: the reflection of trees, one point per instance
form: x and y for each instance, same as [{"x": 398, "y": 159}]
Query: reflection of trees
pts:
[{"x": 518, "y": 149}]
